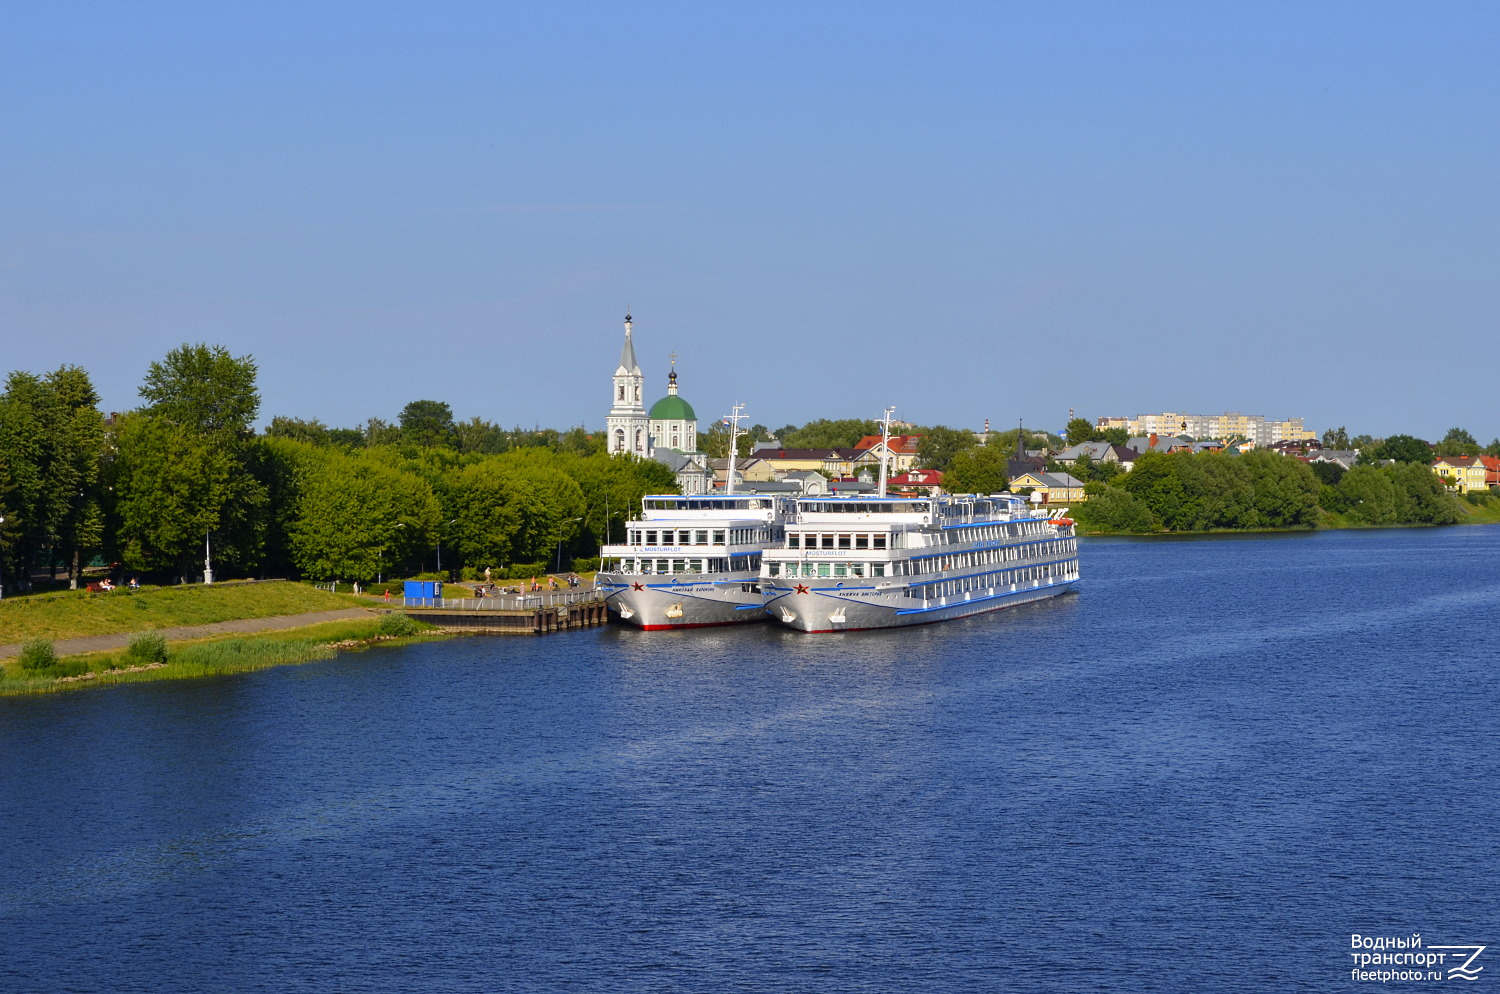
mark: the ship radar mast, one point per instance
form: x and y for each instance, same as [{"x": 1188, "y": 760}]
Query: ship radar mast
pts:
[
  {"x": 733, "y": 421},
  {"x": 885, "y": 445}
]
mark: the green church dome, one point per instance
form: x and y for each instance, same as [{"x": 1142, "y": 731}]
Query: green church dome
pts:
[{"x": 672, "y": 408}]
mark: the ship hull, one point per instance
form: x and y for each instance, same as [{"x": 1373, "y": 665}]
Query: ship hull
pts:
[
  {"x": 834, "y": 609},
  {"x": 726, "y": 599}
]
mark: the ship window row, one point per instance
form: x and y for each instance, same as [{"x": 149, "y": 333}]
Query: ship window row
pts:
[
  {"x": 866, "y": 507},
  {"x": 984, "y": 557},
  {"x": 1046, "y": 573},
  {"x": 669, "y": 567},
  {"x": 709, "y": 504},
  {"x": 699, "y": 536},
  {"x": 1014, "y": 529},
  {"x": 825, "y": 571},
  {"x": 836, "y": 540}
]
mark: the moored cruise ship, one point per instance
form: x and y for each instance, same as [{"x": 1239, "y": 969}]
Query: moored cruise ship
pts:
[
  {"x": 851, "y": 563},
  {"x": 693, "y": 560}
]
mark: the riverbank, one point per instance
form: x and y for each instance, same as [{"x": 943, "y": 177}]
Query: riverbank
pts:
[
  {"x": 213, "y": 656},
  {"x": 68, "y": 614},
  {"x": 1487, "y": 513}
]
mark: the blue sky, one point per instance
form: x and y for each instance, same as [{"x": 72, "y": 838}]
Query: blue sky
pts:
[{"x": 967, "y": 211}]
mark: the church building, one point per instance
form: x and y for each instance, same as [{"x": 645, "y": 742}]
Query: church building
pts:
[{"x": 668, "y": 432}]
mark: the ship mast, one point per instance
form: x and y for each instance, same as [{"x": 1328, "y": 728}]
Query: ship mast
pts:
[
  {"x": 733, "y": 421},
  {"x": 885, "y": 445}
]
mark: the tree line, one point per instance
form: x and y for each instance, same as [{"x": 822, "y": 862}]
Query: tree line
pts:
[
  {"x": 1187, "y": 491},
  {"x": 185, "y": 475}
]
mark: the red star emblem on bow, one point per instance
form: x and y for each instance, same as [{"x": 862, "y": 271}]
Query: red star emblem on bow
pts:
[
  {"x": 801, "y": 589},
  {"x": 638, "y": 586}
]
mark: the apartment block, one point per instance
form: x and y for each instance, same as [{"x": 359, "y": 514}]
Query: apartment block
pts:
[{"x": 1255, "y": 427}]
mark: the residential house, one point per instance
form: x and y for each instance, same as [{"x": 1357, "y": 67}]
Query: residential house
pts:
[
  {"x": 832, "y": 463},
  {"x": 1098, "y": 452},
  {"x": 811, "y": 482},
  {"x": 1340, "y": 457},
  {"x": 903, "y": 451},
  {"x": 1055, "y": 488},
  {"x": 690, "y": 468},
  {"x": 1160, "y": 443},
  {"x": 1464, "y": 474},
  {"x": 1491, "y": 470},
  {"x": 928, "y": 481},
  {"x": 747, "y": 469}
]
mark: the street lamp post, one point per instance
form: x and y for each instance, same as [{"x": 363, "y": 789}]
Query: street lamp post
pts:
[
  {"x": 380, "y": 569},
  {"x": 558, "y": 567},
  {"x": 2, "y": 572},
  {"x": 208, "y": 566},
  {"x": 440, "y": 546}
]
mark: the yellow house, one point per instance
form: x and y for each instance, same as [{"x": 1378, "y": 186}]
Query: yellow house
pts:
[
  {"x": 1055, "y": 488},
  {"x": 1461, "y": 473}
]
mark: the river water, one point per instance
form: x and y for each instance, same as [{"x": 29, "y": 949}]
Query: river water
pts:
[{"x": 1205, "y": 771}]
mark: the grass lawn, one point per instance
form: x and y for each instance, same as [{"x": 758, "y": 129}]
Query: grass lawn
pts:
[
  {"x": 76, "y": 613},
  {"x": 204, "y": 657},
  {"x": 1487, "y": 513}
]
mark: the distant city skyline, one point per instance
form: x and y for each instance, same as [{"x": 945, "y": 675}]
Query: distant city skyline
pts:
[{"x": 997, "y": 211}]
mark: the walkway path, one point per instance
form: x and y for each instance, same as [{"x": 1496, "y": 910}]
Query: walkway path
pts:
[{"x": 102, "y": 643}]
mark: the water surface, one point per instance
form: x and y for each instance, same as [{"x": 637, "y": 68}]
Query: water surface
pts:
[{"x": 1203, "y": 772}]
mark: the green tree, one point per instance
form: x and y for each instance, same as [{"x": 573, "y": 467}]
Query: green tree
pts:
[
  {"x": 979, "y": 469},
  {"x": 1365, "y": 495},
  {"x": 313, "y": 432},
  {"x": 183, "y": 470},
  {"x": 78, "y": 444},
  {"x": 203, "y": 388},
  {"x": 1111, "y": 508},
  {"x": 51, "y": 438},
  {"x": 1156, "y": 483},
  {"x": 428, "y": 423},
  {"x": 1328, "y": 473},
  {"x": 714, "y": 443},
  {"x": 940, "y": 444},
  {"x": 1458, "y": 442},
  {"x": 477, "y": 435},
  {"x": 1114, "y": 436},
  {"x": 358, "y": 517},
  {"x": 826, "y": 434},
  {"x": 1079, "y": 430},
  {"x": 1404, "y": 448},
  {"x": 1422, "y": 497},
  {"x": 1286, "y": 490},
  {"x": 1336, "y": 438},
  {"x": 170, "y": 485}
]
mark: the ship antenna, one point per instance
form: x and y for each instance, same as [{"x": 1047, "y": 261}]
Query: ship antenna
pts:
[
  {"x": 733, "y": 421},
  {"x": 885, "y": 445}
]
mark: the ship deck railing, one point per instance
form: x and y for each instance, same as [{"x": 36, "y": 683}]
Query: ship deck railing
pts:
[{"x": 528, "y": 601}]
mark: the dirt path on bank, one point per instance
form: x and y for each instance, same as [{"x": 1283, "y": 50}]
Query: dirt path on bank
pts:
[{"x": 102, "y": 643}]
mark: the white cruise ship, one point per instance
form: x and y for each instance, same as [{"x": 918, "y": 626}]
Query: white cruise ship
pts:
[
  {"x": 877, "y": 562},
  {"x": 693, "y": 560}
]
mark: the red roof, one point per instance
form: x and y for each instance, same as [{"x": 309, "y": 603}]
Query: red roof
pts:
[
  {"x": 903, "y": 444},
  {"x": 918, "y": 478}
]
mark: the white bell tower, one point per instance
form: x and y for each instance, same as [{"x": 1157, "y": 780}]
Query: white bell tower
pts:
[{"x": 626, "y": 425}]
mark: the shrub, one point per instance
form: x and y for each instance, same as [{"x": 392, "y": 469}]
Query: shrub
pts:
[
  {"x": 524, "y": 571},
  {"x": 38, "y": 654},
  {"x": 71, "y": 667},
  {"x": 1478, "y": 498},
  {"x": 468, "y": 573},
  {"x": 146, "y": 647},
  {"x": 397, "y": 624},
  {"x": 586, "y": 565}
]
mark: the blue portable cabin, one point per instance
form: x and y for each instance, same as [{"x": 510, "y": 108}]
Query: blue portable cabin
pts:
[{"x": 423, "y": 593}]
